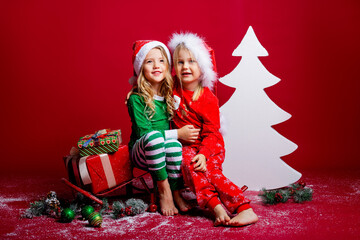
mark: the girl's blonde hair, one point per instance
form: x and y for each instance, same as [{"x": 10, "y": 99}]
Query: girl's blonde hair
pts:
[
  {"x": 199, "y": 89},
  {"x": 144, "y": 88}
]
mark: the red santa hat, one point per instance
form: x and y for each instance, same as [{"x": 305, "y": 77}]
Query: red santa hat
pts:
[
  {"x": 203, "y": 54},
  {"x": 141, "y": 49}
]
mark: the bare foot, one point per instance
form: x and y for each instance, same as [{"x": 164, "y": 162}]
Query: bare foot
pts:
[
  {"x": 167, "y": 205},
  {"x": 221, "y": 217},
  {"x": 180, "y": 201},
  {"x": 245, "y": 217}
]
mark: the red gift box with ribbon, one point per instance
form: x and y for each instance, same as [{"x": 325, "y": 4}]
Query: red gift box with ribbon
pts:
[{"x": 102, "y": 171}]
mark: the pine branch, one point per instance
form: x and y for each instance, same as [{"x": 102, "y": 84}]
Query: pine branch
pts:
[
  {"x": 297, "y": 191},
  {"x": 303, "y": 195},
  {"x": 105, "y": 207},
  {"x": 138, "y": 206},
  {"x": 118, "y": 209},
  {"x": 36, "y": 209}
]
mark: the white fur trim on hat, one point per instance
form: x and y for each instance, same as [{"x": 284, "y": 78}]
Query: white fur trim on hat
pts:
[
  {"x": 140, "y": 56},
  {"x": 197, "y": 47}
]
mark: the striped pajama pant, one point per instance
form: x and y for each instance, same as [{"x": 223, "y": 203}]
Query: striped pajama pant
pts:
[{"x": 161, "y": 157}]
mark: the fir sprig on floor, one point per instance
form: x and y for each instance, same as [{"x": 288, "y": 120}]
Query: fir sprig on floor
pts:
[{"x": 297, "y": 191}]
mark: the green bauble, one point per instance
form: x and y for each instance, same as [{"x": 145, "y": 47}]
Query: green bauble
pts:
[
  {"x": 86, "y": 211},
  {"x": 67, "y": 215},
  {"x": 95, "y": 219}
]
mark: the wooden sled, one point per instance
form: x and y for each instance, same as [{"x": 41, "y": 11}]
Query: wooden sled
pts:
[{"x": 127, "y": 184}]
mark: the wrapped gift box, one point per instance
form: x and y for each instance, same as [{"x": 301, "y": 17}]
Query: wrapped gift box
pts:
[
  {"x": 72, "y": 166},
  {"x": 103, "y": 141},
  {"x": 102, "y": 171}
]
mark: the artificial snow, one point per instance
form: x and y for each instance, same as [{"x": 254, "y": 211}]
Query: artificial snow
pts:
[{"x": 336, "y": 200}]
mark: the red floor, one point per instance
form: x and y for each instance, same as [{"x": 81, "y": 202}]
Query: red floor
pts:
[{"x": 333, "y": 214}]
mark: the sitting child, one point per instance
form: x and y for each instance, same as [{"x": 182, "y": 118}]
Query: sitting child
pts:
[{"x": 196, "y": 105}]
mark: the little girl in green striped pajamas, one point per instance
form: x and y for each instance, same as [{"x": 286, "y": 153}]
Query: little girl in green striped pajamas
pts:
[{"x": 153, "y": 147}]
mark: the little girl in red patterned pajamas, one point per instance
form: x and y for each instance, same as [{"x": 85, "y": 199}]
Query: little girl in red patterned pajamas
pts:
[{"x": 196, "y": 105}]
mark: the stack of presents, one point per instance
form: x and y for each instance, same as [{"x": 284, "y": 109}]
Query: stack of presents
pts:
[{"x": 99, "y": 163}]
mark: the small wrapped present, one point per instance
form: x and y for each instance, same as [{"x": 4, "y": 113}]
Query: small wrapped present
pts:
[
  {"x": 102, "y": 171},
  {"x": 103, "y": 141}
]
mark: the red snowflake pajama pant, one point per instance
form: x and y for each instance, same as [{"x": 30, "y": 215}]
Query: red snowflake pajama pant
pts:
[{"x": 212, "y": 187}]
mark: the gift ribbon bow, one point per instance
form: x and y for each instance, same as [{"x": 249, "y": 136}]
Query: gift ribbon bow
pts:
[{"x": 98, "y": 134}]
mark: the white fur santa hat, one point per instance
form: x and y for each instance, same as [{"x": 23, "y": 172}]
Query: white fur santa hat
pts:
[
  {"x": 203, "y": 54},
  {"x": 141, "y": 49}
]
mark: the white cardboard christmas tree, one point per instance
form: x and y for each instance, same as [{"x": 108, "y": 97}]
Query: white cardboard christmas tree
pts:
[{"x": 253, "y": 147}]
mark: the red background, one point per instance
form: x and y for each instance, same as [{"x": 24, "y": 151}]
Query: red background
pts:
[{"x": 64, "y": 67}]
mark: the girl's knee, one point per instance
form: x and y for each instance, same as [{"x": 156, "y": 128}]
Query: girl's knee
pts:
[
  {"x": 173, "y": 143},
  {"x": 154, "y": 138},
  {"x": 173, "y": 147}
]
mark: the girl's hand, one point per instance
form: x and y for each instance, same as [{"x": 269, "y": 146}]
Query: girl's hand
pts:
[
  {"x": 188, "y": 133},
  {"x": 200, "y": 164},
  {"x": 129, "y": 94}
]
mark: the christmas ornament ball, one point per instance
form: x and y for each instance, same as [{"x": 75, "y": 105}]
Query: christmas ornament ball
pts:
[
  {"x": 152, "y": 208},
  {"x": 67, "y": 215},
  {"x": 86, "y": 211},
  {"x": 95, "y": 219}
]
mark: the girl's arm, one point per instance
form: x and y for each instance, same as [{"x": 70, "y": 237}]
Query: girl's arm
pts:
[
  {"x": 136, "y": 108},
  {"x": 210, "y": 134}
]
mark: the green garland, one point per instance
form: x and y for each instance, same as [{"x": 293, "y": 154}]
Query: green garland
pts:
[
  {"x": 50, "y": 206},
  {"x": 131, "y": 207},
  {"x": 297, "y": 191}
]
